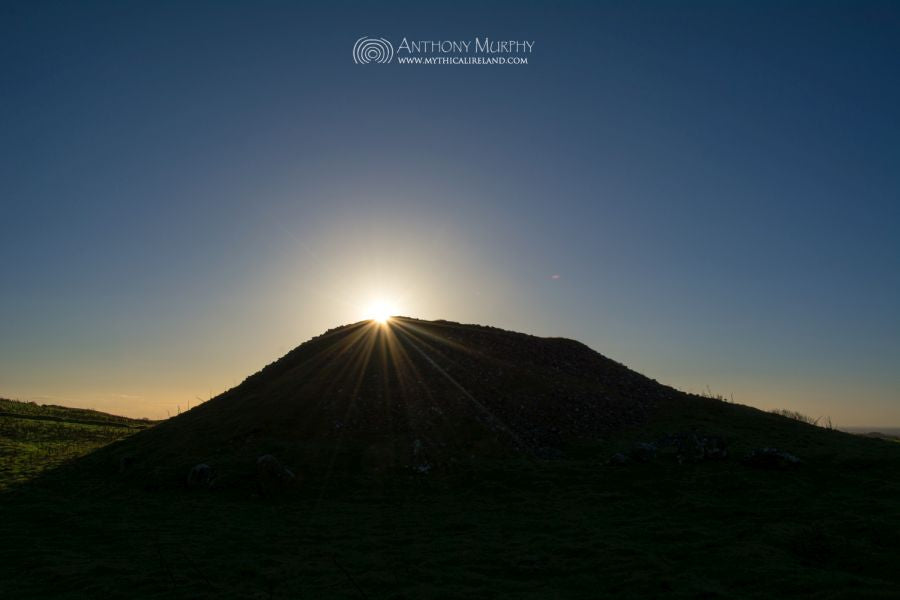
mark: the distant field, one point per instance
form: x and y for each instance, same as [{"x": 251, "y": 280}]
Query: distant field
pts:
[
  {"x": 886, "y": 433},
  {"x": 35, "y": 438}
]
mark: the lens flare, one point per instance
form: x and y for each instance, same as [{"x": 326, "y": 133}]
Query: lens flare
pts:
[{"x": 381, "y": 311}]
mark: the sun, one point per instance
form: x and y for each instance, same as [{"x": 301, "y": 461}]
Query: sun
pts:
[{"x": 381, "y": 311}]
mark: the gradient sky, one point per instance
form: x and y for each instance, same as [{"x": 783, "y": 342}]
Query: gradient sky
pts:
[{"x": 188, "y": 190}]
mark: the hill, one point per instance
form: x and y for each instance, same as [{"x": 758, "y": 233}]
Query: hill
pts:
[
  {"x": 409, "y": 394},
  {"x": 552, "y": 472},
  {"x": 35, "y": 438},
  {"x": 52, "y": 412},
  {"x": 434, "y": 396}
]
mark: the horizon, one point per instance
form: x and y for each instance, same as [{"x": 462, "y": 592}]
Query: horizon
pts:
[
  {"x": 857, "y": 429},
  {"x": 706, "y": 194}
]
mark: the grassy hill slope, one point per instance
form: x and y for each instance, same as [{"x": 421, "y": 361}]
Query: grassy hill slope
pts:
[{"x": 35, "y": 438}]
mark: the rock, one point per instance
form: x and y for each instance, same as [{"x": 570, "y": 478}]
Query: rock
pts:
[
  {"x": 617, "y": 459},
  {"x": 771, "y": 458},
  {"x": 125, "y": 463},
  {"x": 643, "y": 452},
  {"x": 548, "y": 453},
  {"x": 201, "y": 475},
  {"x": 693, "y": 447},
  {"x": 271, "y": 476},
  {"x": 714, "y": 448},
  {"x": 421, "y": 460}
]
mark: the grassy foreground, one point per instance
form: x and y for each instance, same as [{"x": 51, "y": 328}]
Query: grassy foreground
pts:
[{"x": 568, "y": 528}]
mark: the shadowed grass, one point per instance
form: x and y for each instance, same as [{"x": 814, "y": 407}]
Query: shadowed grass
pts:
[
  {"x": 352, "y": 410},
  {"x": 570, "y": 528}
]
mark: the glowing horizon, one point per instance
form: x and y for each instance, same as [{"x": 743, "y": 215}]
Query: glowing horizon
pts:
[{"x": 714, "y": 211}]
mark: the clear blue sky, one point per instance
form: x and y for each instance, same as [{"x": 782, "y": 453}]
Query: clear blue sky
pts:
[{"x": 190, "y": 189}]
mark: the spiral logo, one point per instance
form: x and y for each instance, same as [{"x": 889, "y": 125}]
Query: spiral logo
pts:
[{"x": 367, "y": 50}]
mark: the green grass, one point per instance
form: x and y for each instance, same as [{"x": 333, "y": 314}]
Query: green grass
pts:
[
  {"x": 50, "y": 412},
  {"x": 35, "y": 438},
  {"x": 571, "y": 528}
]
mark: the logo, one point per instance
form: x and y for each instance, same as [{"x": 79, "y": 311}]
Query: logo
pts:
[
  {"x": 372, "y": 50},
  {"x": 417, "y": 51}
]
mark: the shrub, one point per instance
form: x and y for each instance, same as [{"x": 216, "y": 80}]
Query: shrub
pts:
[{"x": 824, "y": 422}]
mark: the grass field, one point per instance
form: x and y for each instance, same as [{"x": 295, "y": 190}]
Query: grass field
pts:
[
  {"x": 35, "y": 438},
  {"x": 568, "y": 528}
]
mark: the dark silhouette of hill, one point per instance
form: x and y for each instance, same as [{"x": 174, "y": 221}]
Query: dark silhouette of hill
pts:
[
  {"x": 411, "y": 393},
  {"x": 437, "y": 458}
]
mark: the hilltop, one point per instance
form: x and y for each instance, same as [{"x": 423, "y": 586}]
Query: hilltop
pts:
[
  {"x": 431, "y": 397},
  {"x": 435, "y": 459},
  {"x": 408, "y": 394}
]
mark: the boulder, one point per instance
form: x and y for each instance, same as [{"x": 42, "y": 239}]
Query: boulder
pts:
[
  {"x": 617, "y": 459},
  {"x": 714, "y": 448},
  {"x": 200, "y": 476},
  {"x": 643, "y": 452},
  {"x": 272, "y": 476},
  {"x": 549, "y": 453},
  {"x": 693, "y": 447},
  {"x": 771, "y": 458},
  {"x": 125, "y": 463}
]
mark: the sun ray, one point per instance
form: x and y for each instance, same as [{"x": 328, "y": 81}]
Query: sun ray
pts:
[
  {"x": 403, "y": 363},
  {"x": 381, "y": 310},
  {"x": 409, "y": 338}
]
